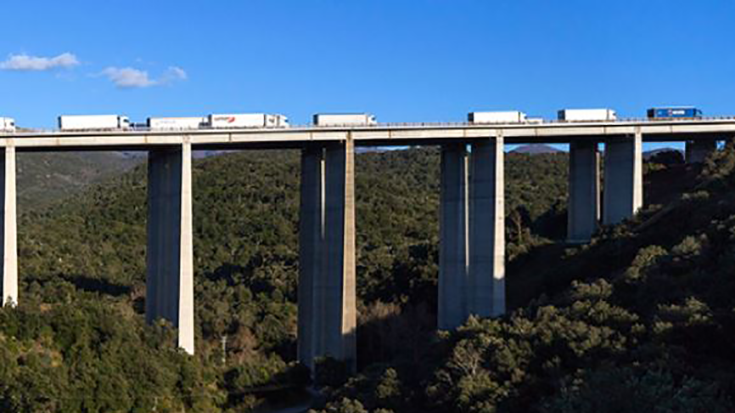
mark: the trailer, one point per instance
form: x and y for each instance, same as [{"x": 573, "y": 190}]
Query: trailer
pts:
[
  {"x": 247, "y": 120},
  {"x": 93, "y": 122},
  {"x": 7, "y": 124},
  {"x": 587, "y": 115},
  {"x": 674, "y": 112},
  {"x": 512, "y": 116},
  {"x": 177, "y": 123},
  {"x": 344, "y": 119}
]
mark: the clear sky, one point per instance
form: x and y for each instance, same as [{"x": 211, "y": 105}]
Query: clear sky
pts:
[{"x": 401, "y": 60}]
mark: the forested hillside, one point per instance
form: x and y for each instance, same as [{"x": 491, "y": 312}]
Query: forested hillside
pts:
[
  {"x": 43, "y": 178},
  {"x": 582, "y": 314}
]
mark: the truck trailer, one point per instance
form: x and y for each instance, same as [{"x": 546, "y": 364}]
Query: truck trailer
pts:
[
  {"x": 7, "y": 124},
  {"x": 248, "y": 120},
  {"x": 587, "y": 115},
  {"x": 674, "y": 112},
  {"x": 93, "y": 122},
  {"x": 513, "y": 116},
  {"x": 344, "y": 119},
  {"x": 176, "y": 123}
]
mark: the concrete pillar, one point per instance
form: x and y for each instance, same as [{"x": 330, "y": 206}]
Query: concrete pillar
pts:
[
  {"x": 453, "y": 237},
  {"x": 486, "y": 288},
  {"x": 583, "y": 204},
  {"x": 327, "y": 290},
  {"x": 9, "y": 270},
  {"x": 170, "y": 258},
  {"x": 697, "y": 151},
  {"x": 311, "y": 255},
  {"x": 339, "y": 289},
  {"x": 623, "y": 195}
]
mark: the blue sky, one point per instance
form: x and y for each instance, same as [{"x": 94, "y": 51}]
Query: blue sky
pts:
[{"x": 401, "y": 60}]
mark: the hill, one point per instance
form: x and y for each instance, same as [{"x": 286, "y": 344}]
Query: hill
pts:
[
  {"x": 43, "y": 178},
  {"x": 536, "y": 148},
  {"x": 80, "y": 325}
]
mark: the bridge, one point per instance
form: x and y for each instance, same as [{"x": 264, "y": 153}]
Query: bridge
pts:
[{"x": 472, "y": 227}]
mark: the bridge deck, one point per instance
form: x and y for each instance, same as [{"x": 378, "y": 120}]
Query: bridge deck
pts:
[{"x": 378, "y": 135}]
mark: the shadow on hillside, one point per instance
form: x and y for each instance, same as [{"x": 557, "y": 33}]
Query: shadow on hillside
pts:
[{"x": 96, "y": 285}]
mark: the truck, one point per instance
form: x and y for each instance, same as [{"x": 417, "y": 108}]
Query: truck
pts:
[
  {"x": 93, "y": 122},
  {"x": 247, "y": 120},
  {"x": 512, "y": 116},
  {"x": 177, "y": 123},
  {"x": 7, "y": 124},
  {"x": 344, "y": 119},
  {"x": 674, "y": 112},
  {"x": 587, "y": 115}
]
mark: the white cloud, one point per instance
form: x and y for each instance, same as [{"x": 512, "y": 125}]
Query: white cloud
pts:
[
  {"x": 173, "y": 74},
  {"x": 128, "y": 77},
  {"x": 24, "y": 62}
]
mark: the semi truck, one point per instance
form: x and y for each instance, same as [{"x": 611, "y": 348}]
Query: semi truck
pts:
[
  {"x": 513, "y": 116},
  {"x": 344, "y": 119},
  {"x": 93, "y": 122},
  {"x": 176, "y": 123},
  {"x": 674, "y": 112},
  {"x": 586, "y": 115},
  {"x": 247, "y": 120},
  {"x": 7, "y": 124}
]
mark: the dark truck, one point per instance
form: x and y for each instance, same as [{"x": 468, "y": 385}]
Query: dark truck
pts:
[{"x": 674, "y": 112}]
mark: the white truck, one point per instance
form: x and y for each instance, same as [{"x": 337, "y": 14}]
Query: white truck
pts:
[
  {"x": 247, "y": 120},
  {"x": 587, "y": 115},
  {"x": 7, "y": 124},
  {"x": 177, "y": 123},
  {"x": 512, "y": 116},
  {"x": 93, "y": 122},
  {"x": 344, "y": 119}
]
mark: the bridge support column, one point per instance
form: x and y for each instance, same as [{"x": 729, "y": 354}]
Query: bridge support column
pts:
[
  {"x": 311, "y": 255},
  {"x": 9, "y": 249},
  {"x": 170, "y": 258},
  {"x": 623, "y": 195},
  {"x": 486, "y": 292},
  {"x": 583, "y": 205},
  {"x": 697, "y": 151},
  {"x": 327, "y": 289},
  {"x": 453, "y": 248}
]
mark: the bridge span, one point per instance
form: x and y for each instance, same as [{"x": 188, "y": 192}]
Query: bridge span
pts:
[{"x": 472, "y": 227}]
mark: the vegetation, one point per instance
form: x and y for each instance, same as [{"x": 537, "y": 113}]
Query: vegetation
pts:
[{"x": 644, "y": 311}]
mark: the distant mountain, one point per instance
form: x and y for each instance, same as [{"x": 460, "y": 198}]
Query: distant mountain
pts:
[
  {"x": 536, "y": 148},
  {"x": 46, "y": 177},
  {"x": 650, "y": 154}
]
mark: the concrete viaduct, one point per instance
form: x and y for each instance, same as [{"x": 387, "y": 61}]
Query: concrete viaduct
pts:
[{"x": 472, "y": 250}]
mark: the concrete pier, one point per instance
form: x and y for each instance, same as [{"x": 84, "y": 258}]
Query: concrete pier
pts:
[
  {"x": 486, "y": 288},
  {"x": 453, "y": 248},
  {"x": 623, "y": 185},
  {"x": 170, "y": 258},
  {"x": 583, "y": 204},
  {"x": 697, "y": 151},
  {"x": 9, "y": 270},
  {"x": 327, "y": 289},
  {"x": 311, "y": 255}
]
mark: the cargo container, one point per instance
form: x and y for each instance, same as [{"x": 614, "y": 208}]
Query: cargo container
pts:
[
  {"x": 587, "y": 115},
  {"x": 247, "y": 120},
  {"x": 93, "y": 122},
  {"x": 176, "y": 123},
  {"x": 344, "y": 119},
  {"x": 7, "y": 125},
  {"x": 496, "y": 117},
  {"x": 674, "y": 112}
]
